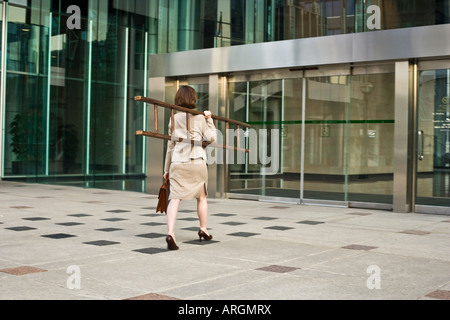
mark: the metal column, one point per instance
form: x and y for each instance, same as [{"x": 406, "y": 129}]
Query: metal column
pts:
[
  {"x": 155, "y": 147},
  {"x": 402, "y": 189}
]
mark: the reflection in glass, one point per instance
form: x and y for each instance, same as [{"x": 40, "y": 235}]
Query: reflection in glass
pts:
[
  {"x": 197, "y": 24},
  {"x": 370, "y": 144},
  {"x": 70, "y": 95},
  {"x": 433, "y": 168},
  {"x": 348, "y": 149}
]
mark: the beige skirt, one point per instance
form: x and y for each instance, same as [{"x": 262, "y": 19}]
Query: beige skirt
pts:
[{"x": 188, "y": 179}]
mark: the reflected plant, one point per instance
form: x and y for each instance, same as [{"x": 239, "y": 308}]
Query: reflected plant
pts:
[
  {"x": 25, "y": 135},
  {"x": 27, "y": 138}
]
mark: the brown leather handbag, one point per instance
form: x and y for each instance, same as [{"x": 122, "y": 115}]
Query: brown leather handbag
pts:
[{"x": 163, "y": 197}]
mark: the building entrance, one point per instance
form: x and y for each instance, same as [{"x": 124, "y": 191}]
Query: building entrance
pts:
[
  {"x": 335, "y": 127},
  {"x": 433, "y": 142}
]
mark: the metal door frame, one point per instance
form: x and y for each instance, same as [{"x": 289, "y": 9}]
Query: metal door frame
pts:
[{"x": 423, "y": 66}]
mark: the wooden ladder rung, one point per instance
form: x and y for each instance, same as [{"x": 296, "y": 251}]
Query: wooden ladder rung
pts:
[
  {"x": 193, "y": 142},
  {"x": 172, "y": 108}
]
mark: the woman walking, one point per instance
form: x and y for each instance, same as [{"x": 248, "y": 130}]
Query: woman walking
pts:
[{"x": 185, "y": 163}]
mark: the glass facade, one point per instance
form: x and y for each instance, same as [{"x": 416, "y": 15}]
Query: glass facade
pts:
[
  {"x": 69, "y": 111},
  {"x": 203, "y": 24},
  {"x": 70, "y": 72}
]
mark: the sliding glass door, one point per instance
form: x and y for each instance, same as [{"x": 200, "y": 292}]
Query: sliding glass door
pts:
[
  {"x": 332, "y": 132},
  {"x": 433, "y": 142}
]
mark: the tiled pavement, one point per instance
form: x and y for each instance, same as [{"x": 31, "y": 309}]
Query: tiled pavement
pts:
[{"x": 68, "y": 243}]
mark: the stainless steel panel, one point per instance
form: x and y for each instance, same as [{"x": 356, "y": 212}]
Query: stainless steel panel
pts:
[
  {"x": 243, "y": 196},
  {"x": 369, "y": 205},
  {"x": 279, "y": 200},
  {"x": 325, "y": 203},
  {"x": 397, "y": 44},
  {"x": 3, "y": 85},
  {"x": 402, "y": 93},
  {"x": 213, "y": 188},
  {"x": 432, "y": 209},
  {"x": 434, "y": 65},
  {"x": 155, "y": 147}
]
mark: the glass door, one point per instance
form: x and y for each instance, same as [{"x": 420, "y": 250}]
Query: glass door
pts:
[
  {"x": 433, "y": 142},
  {"x": 349, "y": 122},
  {"x": 334, "y": 140}
]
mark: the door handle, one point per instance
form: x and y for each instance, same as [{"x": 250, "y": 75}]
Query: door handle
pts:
[{"x": 421, "y": 144}]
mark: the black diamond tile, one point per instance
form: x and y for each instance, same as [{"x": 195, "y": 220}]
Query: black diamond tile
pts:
[
  {"x": 279, "y": 228},
  {"x": 114, "y": 219},
  {"x": 21, "y": 228},
  {"x": 265, "y": 218},
  {"x": 152, "y": 235},
  {"x": 189, "y": 219},
  {"x": 197, "y": 242},
  {"x": 58, "y": 236},
  {"x": 359, "y": 213},
  {"x": 151, "y": 215},
  {"x": 277, "y": 269},
  {"x": 233, "y": 223},
  {"x": 101, "y": 243},
  {"x": 108, "y": 229},
  {"x": 149, "y": 208},
  {"x": 152, "y": 224},
  {"x": 313, "y": 223},
  {"x": 36, "y": 219},
  {"x": 81, "y": 215},
  {"x": 359, "y": 247},
  {"x": 243, "y": 234},
  {"x": 151, "y": 250},
  {"x": 224, "y": 214},
  {"x": 187, "y": 210},
  {"x": 69, "y": 224},
  {"x": 117, "y": 211},
  {"x": 193, "y": 229}
]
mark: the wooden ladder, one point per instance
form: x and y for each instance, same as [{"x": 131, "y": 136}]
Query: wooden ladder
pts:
[{"x": 156, "y": 133}]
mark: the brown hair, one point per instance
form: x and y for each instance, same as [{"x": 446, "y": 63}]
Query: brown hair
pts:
[{"x": 186, "y": 97}]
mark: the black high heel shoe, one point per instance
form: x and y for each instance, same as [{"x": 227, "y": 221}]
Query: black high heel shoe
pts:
[
  {"x": 171, "y": 245},
  {"x": 204, "y": 235}
]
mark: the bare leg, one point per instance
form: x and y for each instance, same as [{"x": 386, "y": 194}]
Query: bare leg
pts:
[
  {"x": 172, "y": 212},
  {"x": 202, "y": 211}
]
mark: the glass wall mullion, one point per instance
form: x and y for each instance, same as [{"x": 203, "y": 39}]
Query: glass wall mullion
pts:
[
  {"x": 87, "y": 116},
  {"x": 125, "y": 103},
  {"x": 347, "y": 138},
  {"x": 3, "y": 86},
  {"x": 144, "y": 116},
  {"x": 302, "y": 144},
  {"x": 48, "y": 106},
  {"x": 247, "y": 118}
]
